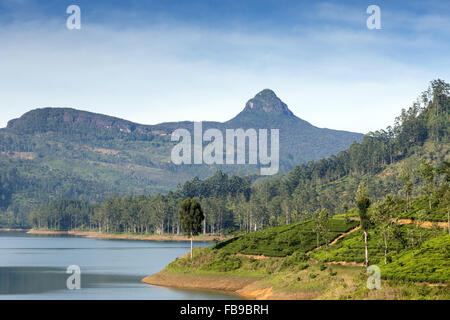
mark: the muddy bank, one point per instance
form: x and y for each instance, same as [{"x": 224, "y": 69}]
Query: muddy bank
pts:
[{"x": 245, "y": 287}]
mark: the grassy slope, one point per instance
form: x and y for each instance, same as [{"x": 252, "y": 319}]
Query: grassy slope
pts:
[
  {"x": 426, "y": 262},
  {"x": 414, "y": 253},
  {"x": 284, "y": 240},
  {"x": 289, "y": 273},
  {"x": 292, "y": 277},
  {"x": 430, "y": 262}
]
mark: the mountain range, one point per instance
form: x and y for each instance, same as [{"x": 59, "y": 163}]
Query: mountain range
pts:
[
  {"x": 68, "y": 153},
  {"x": 300, "y": 141}
]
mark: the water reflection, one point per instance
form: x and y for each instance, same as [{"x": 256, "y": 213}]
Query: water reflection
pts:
[
  {"x": 34, "y": 267},
  {"x": 26, "y": 280}
]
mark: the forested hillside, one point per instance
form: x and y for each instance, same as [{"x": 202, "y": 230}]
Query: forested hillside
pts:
[
  {"x": 62, "y": 153},
  {"x": 409, "y": 159}
]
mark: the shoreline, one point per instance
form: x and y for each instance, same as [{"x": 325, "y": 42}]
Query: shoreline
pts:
[
  {"x": 260, "y": 288},
  {"x": 247, "y": 288},
  {"x": 118, "y": 236}
]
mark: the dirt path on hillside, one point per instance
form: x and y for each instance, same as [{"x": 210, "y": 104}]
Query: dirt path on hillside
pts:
[
  {"x": 423, "y": 224},
  {"x": 253, "y": 256},
  {"x": 336, "y": 240},
  {"x": 347, "y": 263}
]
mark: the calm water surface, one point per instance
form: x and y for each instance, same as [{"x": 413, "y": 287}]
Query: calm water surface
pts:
[{"x": 34, "y": 267}]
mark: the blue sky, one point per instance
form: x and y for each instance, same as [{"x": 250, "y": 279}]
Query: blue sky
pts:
[{"x": 170, "y": 60}]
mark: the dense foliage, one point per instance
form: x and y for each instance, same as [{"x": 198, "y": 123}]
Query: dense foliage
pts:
[
  {"x": 64, "y": 215},
  {"x": 154, "y": 213},
  {"x": 191, "y": 216}
]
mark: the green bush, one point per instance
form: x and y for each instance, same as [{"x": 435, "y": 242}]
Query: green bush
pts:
[
  {"x": 223, "y": 262},
  {"x": 302, "y": 266}
]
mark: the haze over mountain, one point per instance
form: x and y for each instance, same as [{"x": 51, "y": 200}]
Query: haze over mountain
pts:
[
  {"x": 299, "y": 140},
  {"x": 68, "y": 153}
]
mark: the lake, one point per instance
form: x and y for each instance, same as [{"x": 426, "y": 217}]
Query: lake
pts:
[{"x": 34, "y": 267}]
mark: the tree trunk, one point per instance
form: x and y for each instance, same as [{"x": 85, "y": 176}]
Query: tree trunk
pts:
[
  {"x": 191, "y": 247},
  {"x": 366, "y": 251},
  {"x": 317, "y": 239}
]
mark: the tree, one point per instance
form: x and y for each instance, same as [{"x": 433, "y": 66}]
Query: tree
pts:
[
  {"x": 191, "y": 216},
  {"x": 160, "y": 209},
  {"x": 444, "y": 171},
  {"x": 406, "y": 178},
  {"x": 427, "y": 173},
  {"x": 316, "y": 219},
  {"x": 383, "y": 218},
  {"x": 323, "y": 228},
  {"x": 447, "y": 203},
  {"x": 363, "y": 203}
]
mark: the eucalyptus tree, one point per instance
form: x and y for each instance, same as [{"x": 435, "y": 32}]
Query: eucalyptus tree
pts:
[
  {"x": 405, "y": 177},
  {"x": 383, "y": 218},
  {"x": 363, "y": 203},
  {"x": 316, "y": 229},
  {"x": 427, "y": 173},
  {"x": 324, "y": 228}
]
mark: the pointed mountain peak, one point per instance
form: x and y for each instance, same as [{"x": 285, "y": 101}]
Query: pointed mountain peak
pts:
[{"x": 268, "y": 102}]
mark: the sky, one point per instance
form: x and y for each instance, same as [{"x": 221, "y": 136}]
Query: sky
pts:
[{"x": 172, "y": 60}]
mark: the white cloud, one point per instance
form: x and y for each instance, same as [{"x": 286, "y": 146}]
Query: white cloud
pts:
[{"x": 335, "y": 78}]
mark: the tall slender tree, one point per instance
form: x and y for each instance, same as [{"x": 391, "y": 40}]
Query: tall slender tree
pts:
[
  {"x": 427, "y": 173},
  {"x": 324, "y": 228},
  {"x": 316, "y": 219},
  {"x": 383, "y": 218},
  {"x": 406, "y": 178},
  {"x": 363, "y": 203},
  {"x": 191, "y": 216}
]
